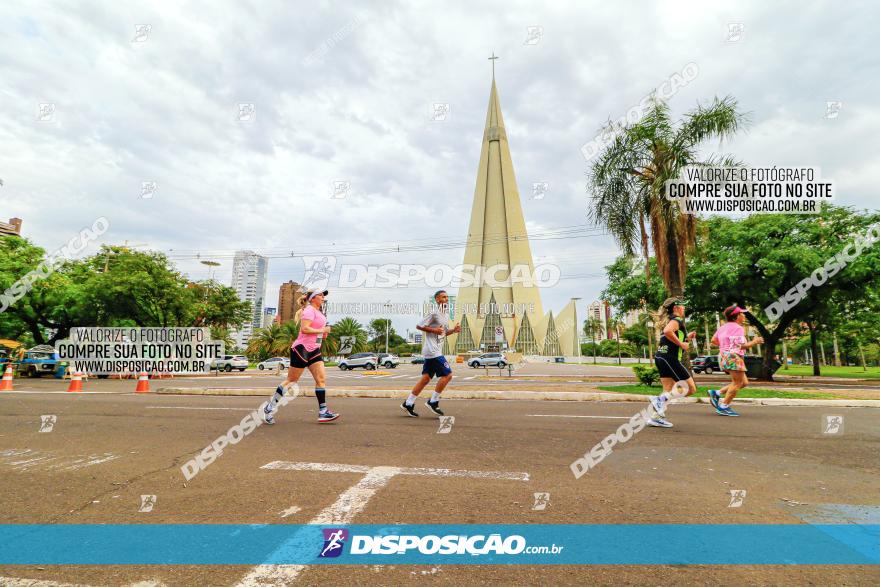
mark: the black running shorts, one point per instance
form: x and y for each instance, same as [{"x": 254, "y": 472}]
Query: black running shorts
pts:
[
  {"x": 300, "y": 358},
  {"x": 671, "y": 368}
]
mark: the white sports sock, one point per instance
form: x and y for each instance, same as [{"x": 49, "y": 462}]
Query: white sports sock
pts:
[
  {"x": 723, "y": 405},
  {"x": 411, "y": 400},
  {"x": 435, "y": 397}
]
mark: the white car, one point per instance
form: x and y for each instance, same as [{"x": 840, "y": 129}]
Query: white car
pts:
[
  {"x": 389, "y": 361},
  {"x": 488, "y": 360},
  {"x": 273, "y": 363},
  {"x": 367, "y": 361},
  {"x": 230, "y": 362}
]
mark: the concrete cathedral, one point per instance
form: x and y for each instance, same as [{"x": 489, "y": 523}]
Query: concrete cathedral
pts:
[{"x": 510, "y": 316}]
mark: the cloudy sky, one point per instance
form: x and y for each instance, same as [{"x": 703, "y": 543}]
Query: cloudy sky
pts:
[{"x": 343, "y": 92}]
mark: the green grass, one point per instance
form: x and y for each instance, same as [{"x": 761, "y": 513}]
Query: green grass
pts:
[
  {"x": 755, "y": 392},
  {"x": 830, "y": 371}
]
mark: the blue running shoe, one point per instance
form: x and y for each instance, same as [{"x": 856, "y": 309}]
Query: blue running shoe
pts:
[
  {"x": 714, "y": 398},
  {"x": 326, "y": 416},
  {"x": 728, "y": 411}
]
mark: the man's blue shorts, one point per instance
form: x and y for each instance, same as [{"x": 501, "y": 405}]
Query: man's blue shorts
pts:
[{"x": 436, "y": 367}]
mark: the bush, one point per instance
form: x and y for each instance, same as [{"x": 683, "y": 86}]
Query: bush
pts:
[{"x": 646, "y": 374}]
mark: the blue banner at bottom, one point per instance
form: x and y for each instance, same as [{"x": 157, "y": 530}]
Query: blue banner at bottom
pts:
[{"x": 516, "y": 544}]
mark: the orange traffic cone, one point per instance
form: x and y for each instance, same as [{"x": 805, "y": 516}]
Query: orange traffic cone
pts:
[
  {"x": 76, "y": 383},
  {"x": 143, "y": 385},
  {"x": 6, "y": 384}
]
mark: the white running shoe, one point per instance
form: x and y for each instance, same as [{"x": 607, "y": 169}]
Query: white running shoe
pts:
[
  {"x": 660, "y": 423},
  {"x": 659, "y": 407}
]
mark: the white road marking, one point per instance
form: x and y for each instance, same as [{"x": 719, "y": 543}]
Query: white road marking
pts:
[
  {"x": 339, "y": 468},
  {"x": 572, "y": 416},
  {"x": 291, "y": 510},
  {"x": 16, "y": 582},
  {"x": 350, "y": 503},
  {"x": 24, "y": 459},
  {"x": 93, "y": 460}
]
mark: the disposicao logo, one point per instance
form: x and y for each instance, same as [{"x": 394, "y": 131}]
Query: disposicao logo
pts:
[{"x": 334, "y": 542}]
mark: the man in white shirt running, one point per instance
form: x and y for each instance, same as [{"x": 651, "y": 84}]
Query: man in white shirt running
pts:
[{"x": 434, "y": 325}]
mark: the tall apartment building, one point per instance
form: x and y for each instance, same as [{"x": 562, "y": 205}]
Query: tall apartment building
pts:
[
  {"x": 268, "y": 317},
  {"x": 250, "y": 275},
  {"x": 13, "y": 227},
  {"x": 288, "y": 295},
  {"x": 601, "y": 311}
]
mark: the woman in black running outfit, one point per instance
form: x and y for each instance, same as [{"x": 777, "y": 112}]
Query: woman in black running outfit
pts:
[{"x": 673, "y": 344}]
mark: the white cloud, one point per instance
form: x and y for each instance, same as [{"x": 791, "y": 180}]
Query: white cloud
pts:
[{"x": 165, "y": 110}]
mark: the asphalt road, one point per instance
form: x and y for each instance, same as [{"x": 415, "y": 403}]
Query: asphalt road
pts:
[{"x": 107, "y": 449}]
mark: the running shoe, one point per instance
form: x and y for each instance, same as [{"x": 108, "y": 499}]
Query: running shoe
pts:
[
  {"x": 410, "y": 410},
  {"x": 434, "y": 407},
  {"x": 326, "y": 416},
  {"x": 660, "y": 423},
  {"x": 714, "y": 398},
  {"x": 728, "y": 411},
  {"x": 658, "y": 406},
  {"x": 268, "y": 417}
]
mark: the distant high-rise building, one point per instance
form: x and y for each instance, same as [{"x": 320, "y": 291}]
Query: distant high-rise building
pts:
[
  {"x": 631, "y": 318},
  {"x": 13, "y": 227},
  {"x": 250, "y": 274},
  {"x": 601, "y": 311},
  {"x": 268, "y": 317},
  {"x": 288, "y": 301}
]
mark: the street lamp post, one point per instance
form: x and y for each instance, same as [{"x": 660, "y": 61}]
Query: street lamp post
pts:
[
  {"x": 210, "y": 264},
  {"x": 650, "y": 325},
  {"x": 577, "y": 333},
  {"x": 387, "y": 325}
]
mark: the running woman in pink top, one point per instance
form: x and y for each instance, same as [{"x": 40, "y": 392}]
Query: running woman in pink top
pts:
[
  {"x": 731, "y": 340},
  {"x": 305, "y": 353}
]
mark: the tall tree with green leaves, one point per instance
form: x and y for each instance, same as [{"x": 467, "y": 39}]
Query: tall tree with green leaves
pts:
[
  {"x": 347, "y": 327},
  {"x": 627, "y": 182},
  {"x": 756, "y": 260},
  {"x": 592, "y": 328}
]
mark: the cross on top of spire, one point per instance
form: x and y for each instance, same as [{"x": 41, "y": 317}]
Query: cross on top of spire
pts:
[{"x": 492, "y": 59}]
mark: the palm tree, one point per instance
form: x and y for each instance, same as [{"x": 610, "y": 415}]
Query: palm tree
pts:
[
  {"x": 592, "y": 327},
  {"x": 267, "y": 342},
  {"x": 289, "y": 332},
  {"x": 615, "y": 324},
  {"x": 346, "y": 327},
  {"x": 627, "y": 182}
]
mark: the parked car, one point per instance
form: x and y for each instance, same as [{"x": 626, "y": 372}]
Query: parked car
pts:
[
  {"x": 230, "y": 362},
  {"x": 389, "y": 360},
  {"x": 273, "y": 363},
  {"x": 417, "y": 359},
  {"x": 707, "y": 364},
  {"x": 368, "y": 361},
  {"x": 488, "y": 360}
]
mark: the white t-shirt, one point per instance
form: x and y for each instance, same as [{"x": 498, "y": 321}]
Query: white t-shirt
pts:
[{"x": 432, "y": 344}]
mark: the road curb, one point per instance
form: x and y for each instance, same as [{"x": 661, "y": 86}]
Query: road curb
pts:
[{"x": 515, "y": 395}]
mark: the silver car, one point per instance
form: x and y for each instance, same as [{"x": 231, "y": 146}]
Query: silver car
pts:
[
  {"x": 488, "y": 360},
  {"x": 273, "y": 363},
  {"x": 366, "y": 361},
  {"x": 389, "y": 361}
]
